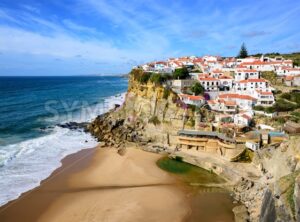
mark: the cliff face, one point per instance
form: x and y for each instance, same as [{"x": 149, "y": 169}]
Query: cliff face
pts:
[
  {"x": 275, "y": 196},
  {"x": 150, "y": 113}
]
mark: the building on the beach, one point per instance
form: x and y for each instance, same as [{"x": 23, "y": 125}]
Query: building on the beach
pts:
[{"x": 210, "y": 142}]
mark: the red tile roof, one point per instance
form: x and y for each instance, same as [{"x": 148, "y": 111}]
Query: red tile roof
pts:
[
  {"x": 225, "y": 77},
  {"x": 191, "y": 97},
  {"x": 252, "y": 80},
  {"x": 246, "y": 116},
  {"x": 208, "y": 79},
  {"x": 247, "y": 70},
  {"x": 289, "y": 78},
  {"x": 211, "y": 101},
  {"x": 264, "y": 93},
  {"x": 229, "y": 103},
  {"x": 236, "y": 96}
]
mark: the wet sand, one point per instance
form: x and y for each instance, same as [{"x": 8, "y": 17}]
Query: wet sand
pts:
[{"x": 101, "y": 185}]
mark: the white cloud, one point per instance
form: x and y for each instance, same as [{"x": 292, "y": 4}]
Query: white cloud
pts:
[{"x": 73, "y": 26}]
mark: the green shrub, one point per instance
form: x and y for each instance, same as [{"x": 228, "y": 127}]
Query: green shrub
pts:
[
  {"x": 280, "y": 120},
  {"x": 259, "y": 108},
  {"x": 286, "y": 96},
  {"x": 166, "y": 93},
  {"x": 197, "y": 88},
  {"x": 269, "y": 75},
  {"x": 297, "y": 114},
  {"x": 284, "y": 106},
  {"x": 270, "y": 109},
  {"x": 140, "y": 76},
  {"x": 158, "y": 78},
  {"x": 181, "y": 73}
]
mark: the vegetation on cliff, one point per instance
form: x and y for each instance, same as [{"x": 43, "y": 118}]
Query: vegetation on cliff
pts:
[{"x": 197, "y": 89}]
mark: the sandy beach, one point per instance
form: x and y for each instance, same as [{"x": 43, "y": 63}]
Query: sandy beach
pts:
[{"x": 101, "y": 185}]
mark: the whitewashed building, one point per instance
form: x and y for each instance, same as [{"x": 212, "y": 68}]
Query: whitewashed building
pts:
[
  {"x": 264, "y": 98},
  {"x": 192, "y": 100},
  {"x": 244, "y": 102},
  {"x": 209, "y": 83},
  {"x": 244, "y": 74},
  {"x": 251, "y": 85}
]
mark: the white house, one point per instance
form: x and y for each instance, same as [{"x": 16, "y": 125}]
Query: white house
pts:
[
  {"x": 252, "y": 84},
  {"x": 292, "y": 80},
  {"x": 248, "y": 60},
  {"x": 226, "y": 82},
  {"x": 209, "y": 58},
  {"x": 209, "y": 83},
  {"x": 221, "y": 105},
  {"x": 192, "y": 100},
  {"x": 252, "y": 145},
  {"x": 267, "y": 66},
  {"x": 264, "y": 98},
  {"x": 242, "y": 119},
  {"x": 243, "y": 74},
  {"x": 244, "y": 102},
  {"x": 216, "y": 73},
  {"x": 284, "y": 71}
]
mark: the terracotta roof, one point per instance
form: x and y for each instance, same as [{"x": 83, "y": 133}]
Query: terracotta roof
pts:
[
  {"x": 161, "y": 62},
  {"x": 246, "y": 116},
  {"x": 208, "y": 79},
  {"x": 264, "y": 93},
  {"x": 247, "y": 70},
  {"x": 253, "y": 63},
  {"x": 229, "y": 103},
  {"x": 211, "y": 101},
  {"x": 217, "y": 71},
  {"x": 291, "y": 69},
  {"x": 236, "y": 96},
  {"x": 289, "y": 78},
  {"x": 225, "y": 77},
  {"x": 191, "y": 97},
  {"x": 252, "y": 80}
]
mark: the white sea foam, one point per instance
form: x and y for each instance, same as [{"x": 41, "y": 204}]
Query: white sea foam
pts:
[{"x": 24, "y": 165}]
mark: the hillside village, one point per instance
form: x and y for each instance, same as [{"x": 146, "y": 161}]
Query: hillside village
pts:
[{"x": 242, "y": 94}]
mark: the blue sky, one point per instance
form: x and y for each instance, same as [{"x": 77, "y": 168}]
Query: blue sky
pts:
[{"x": 79, "y": 37}]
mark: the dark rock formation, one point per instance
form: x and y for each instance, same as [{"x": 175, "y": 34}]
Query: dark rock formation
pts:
[
  {"x": 268, "y": 212},
  {"x": 116, "y": 132},
  {"x": 74, "y": 125}
]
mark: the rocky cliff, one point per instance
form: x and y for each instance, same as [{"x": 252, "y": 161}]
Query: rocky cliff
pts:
[
  {"x": 152, "y": 115},
  {"x": 274, "y": 196}
]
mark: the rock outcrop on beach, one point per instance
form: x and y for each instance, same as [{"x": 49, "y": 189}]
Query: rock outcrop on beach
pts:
[{"x": 152, "y": 115}]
